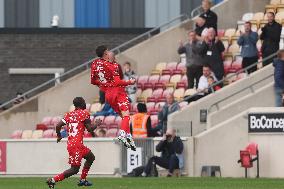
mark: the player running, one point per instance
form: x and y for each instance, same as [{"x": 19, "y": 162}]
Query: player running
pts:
[
  {"x": 106, "y": 75},
  {"x": 76, "y": 122}
]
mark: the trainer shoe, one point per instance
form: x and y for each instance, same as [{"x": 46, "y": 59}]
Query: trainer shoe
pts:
[
  {"x": 131, "y": 142},
  {"x": 122, "y": 139},
  {"x": 84, "y": 183},
  {"x": 50, "y": 182}
]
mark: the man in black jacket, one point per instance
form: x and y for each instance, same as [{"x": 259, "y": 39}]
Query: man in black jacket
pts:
[
  {"x": 210, "y": 16},
  {"x": 212, "y": 53},
  {"x": 270, "y": 35},
  {"x": 171, "y": 147}
]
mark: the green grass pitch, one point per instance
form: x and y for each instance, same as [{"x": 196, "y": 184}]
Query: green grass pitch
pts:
[{"x": 147, "y": 183}]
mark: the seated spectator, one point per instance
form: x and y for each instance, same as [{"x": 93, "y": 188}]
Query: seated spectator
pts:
[
  {"x": 170, "y": 107},
  {"x": 278, "y": 64},
  {"x": 101, "y": 133},
  {"x": 171, "y": 158},
  {"x": 212, "y": 53},
  {"x": 141, "y": 123},
  {"x": 200, "y": 28},
  {"x": 193, "y": 58},
  {"x": 212, "y": 81},
  {"x": 127, "y": 75},
  {"x": 106, "y": 111},
  {"x": 249, "y": 52},
  {"x": 20, "y": 98},
  {"x": 211, "y": 18}
]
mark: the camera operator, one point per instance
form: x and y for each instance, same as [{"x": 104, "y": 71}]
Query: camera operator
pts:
[{"x": 171, "y": 147}]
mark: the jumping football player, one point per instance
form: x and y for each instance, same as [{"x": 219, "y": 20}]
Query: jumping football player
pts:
[
  {"x": 76, "y": 122},
  {"x": 106, "y": 75}
]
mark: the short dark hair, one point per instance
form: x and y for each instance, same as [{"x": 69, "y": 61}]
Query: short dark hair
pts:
[
  {"x": 101, "y": 50},
  {"x": 207, "y": 66},
  {"x": 248, "y": 22},
  {"x": 272, "y": 13},
  {"x": 79, "y": 103},
  {"x": 142, "y": 108},
  {"x": 211, "y": 77},
  {"x": 127, "y": 63}
]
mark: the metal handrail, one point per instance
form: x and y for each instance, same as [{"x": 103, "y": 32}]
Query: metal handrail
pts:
[
  {"x": 231, "y": 76},
  {"x": 117, "y": 49}
]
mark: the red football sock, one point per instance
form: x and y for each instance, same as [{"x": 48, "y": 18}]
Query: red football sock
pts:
[
  {"x": 59, "y": 177},
  {"x": 125, "y": 124},
  {"x": 84, "y": 173}
]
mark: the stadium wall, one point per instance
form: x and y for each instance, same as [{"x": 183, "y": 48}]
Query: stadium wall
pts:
[
  {"x": 221, "y": 146},
  {"x": 48, "y": 157}
]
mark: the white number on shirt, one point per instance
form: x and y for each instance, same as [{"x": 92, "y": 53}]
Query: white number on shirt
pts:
[
  {"x": 102, "y": 77},
  {"x": 73, "y": 130}
]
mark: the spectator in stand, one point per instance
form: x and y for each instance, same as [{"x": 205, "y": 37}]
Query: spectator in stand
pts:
[
  {"x": 212, "y": 53},
  {"x": 106, "y": 111},
  {"x": 193, "y": 58},
  {"x": 247, "y": 41},
  {"x": 171, "y": 148},
  {"x": 200, "y": 29},
  {"x": 170, "y": 107},
  {"x": 128, "y": 74},
  {"x": 270, "y": 35},
  {"x": 278, "y": 64},
  {"x": 210, "y": 16},
  {"x": 20, "y": 98},
  {"x": 101, "y": 133},
  {"x": 141, "y": 123}
]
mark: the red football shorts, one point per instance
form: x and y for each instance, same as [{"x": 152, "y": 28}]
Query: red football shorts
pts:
[
  {"x": 76, "y": 153},
  {"x": 118, "y": 100}
]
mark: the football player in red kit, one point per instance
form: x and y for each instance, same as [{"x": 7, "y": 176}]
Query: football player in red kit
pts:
[
  {"x": 106, "y": 75},
  {"x": 76, "y": 122}
]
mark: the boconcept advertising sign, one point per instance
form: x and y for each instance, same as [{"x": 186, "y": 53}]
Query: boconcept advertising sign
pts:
[{"x": 266, "y": 123}]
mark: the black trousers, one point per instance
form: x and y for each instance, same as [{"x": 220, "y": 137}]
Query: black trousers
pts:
[
  {"x": 247, "y": 61},
  {"x": 171, "y": 163},
  {"x": 193, "y": 72},
  {"x": 268, "y": 61}
]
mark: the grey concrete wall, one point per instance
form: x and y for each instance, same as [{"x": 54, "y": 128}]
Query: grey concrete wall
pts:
[
  {"x": 181, "y": 120},
  {"x": 221, "y": 146}
]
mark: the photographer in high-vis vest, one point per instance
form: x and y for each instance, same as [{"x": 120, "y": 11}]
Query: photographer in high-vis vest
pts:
[{"x": 141, "y": 123}]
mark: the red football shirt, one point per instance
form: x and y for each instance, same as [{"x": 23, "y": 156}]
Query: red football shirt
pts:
[
  {"x": 75, "y": 126},
  {"x": 106, "y": 75}
]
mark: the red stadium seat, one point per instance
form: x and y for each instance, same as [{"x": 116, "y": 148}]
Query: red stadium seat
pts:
[
  {"x": 165, "y": 79},
  {"x": 227, "y": 66},
  {"x": 87, "y": 134},
  {"x": 17, "y": 134},
  {"x": 237, "y": 65},
  {"x": 182, "y": 67},
  {"x": 47, "y": 120},
  {"x": 112, "y": 132},
  {"x": 182, "y": 83},
  {"x": 154, "y": 79},
  {"x": 180, "y": 72},
  {"x": 168, "y": 91},
  {"x": 55, "y": 120},
  {"x": 166, "y": 72},
  {"x": 48, "y": 133},
  {"x": 118, "y": 121},
  {"x": 109, "y": 120},
  {"x": 156, "y": 95},
  {"x": 171, "y": 66},
  {"x": 150, "y": 107},
  {"x": 41, "y": 127},
  {"x": 148, "y": 86},
  {"x": 142, "y": 80},
  {"x": 221, "y": 33}
]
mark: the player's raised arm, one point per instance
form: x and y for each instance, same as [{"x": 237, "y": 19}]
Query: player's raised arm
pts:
[{"x": 58, "y": 129}]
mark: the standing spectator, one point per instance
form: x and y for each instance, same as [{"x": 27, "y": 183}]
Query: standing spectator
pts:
[
  {"x": 128, "y": 74},
  {"x": 210, "y": 16},
  {"x": 169, "y": 108},
  {"x": 248, "y": 41},
  {"x": 270, "y": 35},
  {"x": 141, "y": 123},
  {"x": 279, "y": 78},
  {"x": 193, "y": 59},
  {"x": 212, "y": 52},
  {"x": 171, "y": 158},
  {"x": 200, "y": 29}
]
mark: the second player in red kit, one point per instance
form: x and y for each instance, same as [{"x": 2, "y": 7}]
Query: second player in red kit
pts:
[{"x": 105, "y": 73}]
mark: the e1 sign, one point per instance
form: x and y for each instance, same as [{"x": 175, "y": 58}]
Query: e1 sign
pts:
[{"x": 134, "y": 159}]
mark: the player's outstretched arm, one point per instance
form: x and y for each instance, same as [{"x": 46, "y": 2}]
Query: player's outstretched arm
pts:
[
  {"x": 90, "y": 128},
  {"x": 58, "y": 129}
]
